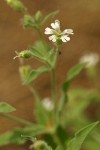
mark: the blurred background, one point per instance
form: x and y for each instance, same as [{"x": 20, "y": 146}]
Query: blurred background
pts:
[{"x": 81, "y": 15}]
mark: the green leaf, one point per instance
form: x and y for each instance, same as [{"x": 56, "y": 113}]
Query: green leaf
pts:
[
  {"x": 70, "y": 76},
  {"x": 15, "y": 136},
  {"x": 24, "y": 72},
  {"x": 6, "y": 108},
  {"x": 75, "y": 71},
  {"x": 42, "y": 116},
  {"x": 40, "y": 50},
  {"x": 92, "y": 143},
  {"x": 38, "y": 17},
  {"x": 80, "y": 136},
  {"x": 29, "y": 22},
  {"x": 44, "y": 53},
  {"x": 58, "y": 148},
  {"x": 52, "y": 57},
  {"x": 49, "y": 16},
  {"x": 6, "y": 138},
  {"x": 62, "y": 136},
  {"x": 35, "y": 74}
]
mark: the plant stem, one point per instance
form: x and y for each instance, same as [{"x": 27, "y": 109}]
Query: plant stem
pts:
[
  {"x": 53, "y": 81},
  {"x": 34, "y": 91},
  {"x": 39, "y": 34},
  {"x": 16, "y": 119},
  {"x": 41, "y": 37},
  {"x": 53, "y": 86}
]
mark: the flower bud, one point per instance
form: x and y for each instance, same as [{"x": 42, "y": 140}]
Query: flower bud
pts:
[
  {"x": 16, "y": 5},
  {"x": 28, "y": 21},
  {"x": 24, "y": 54},
  {"x": 48, "y": 104},
  {"x": 40, "y": 145},
  {"x": 24, "y": 72},
  {"x": 38, "y": 16}
]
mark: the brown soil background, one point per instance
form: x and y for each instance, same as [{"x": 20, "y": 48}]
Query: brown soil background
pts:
[{"x": 82, "y": 16}]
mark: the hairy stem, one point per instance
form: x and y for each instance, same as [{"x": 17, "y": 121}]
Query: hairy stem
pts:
[
  {"x": 53, "y": 81},
  {"x": 53, "y": 86}
]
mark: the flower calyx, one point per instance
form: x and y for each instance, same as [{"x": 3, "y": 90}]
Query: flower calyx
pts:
[{"x": 24, "y": 54}]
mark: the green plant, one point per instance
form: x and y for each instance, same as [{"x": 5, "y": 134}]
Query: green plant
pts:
[{"x": 51, "y": 120}]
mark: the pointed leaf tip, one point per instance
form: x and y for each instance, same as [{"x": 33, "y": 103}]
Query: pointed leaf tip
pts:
[{"x": 6, "y": 108}]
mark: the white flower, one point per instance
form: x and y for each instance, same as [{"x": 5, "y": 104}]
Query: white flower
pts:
[
  {"x": 91, "y": 59},
  {"x": 57, "y": 34},
  {"x": 48, "y": 104}
]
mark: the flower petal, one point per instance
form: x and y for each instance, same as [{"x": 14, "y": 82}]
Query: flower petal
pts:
[
  {"x": 48, "y": 31},
  {"x": 56, "y": 25},
  {"x": 68, "y": 31},
  {"x": 52, "y": 38},
  {"x": 65, "y": 38}
]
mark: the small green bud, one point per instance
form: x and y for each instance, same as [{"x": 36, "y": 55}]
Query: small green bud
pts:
[
  {"x": 24, "y": 72},
  {"x": 16, "y": 5},
  {"x": 38, "y": 16},
  {"x": 41, "y": 145},
  {"x": 28, "y": 21},
  {"x": 24, "y": 54}
]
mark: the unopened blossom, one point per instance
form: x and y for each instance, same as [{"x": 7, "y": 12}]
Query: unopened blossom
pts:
[
  {"x": 16, "y": 5},
  {"x": 48, "y": 104},
  {"x": 24, "y": 54},
  {"x": 56, "y": 34},
  {"x": 91, "y": 59},
  {"x": 40, "y": 145}
]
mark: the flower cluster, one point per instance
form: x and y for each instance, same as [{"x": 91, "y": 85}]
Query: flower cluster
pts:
[{"x": 57, "y": 34}]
